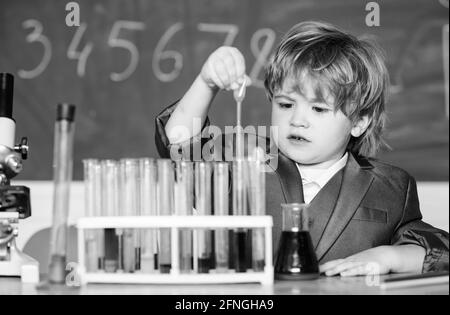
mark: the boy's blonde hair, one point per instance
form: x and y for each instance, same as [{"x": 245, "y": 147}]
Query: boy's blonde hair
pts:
[{"x": 351, "y": 69}]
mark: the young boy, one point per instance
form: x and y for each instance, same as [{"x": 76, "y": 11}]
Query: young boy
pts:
[{"x": 328, "y": 91}]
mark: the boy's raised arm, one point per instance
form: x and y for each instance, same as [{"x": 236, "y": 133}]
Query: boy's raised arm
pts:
[
  {"x": 194, "y": 104},
  {"x": 224, "y": 69}
]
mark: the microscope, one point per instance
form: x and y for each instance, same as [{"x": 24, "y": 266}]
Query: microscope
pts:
[{"x": 14, "y": 200}]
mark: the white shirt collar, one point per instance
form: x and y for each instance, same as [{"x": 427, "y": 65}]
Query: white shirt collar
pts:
[{"x": 321, "y": 176}]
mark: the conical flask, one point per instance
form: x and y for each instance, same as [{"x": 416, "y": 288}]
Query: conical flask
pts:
[{"x": 296, "y": 259}]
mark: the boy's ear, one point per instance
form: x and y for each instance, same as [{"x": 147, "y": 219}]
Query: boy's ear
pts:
[{"x": 360, "y": 126}]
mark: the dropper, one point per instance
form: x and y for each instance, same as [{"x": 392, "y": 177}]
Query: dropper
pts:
[
  {"x": 239, "y": 95},
  {"x": 239, "y": 186}
]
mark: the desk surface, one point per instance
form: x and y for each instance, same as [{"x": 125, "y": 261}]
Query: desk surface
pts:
[{"x": 324, "y": 285}]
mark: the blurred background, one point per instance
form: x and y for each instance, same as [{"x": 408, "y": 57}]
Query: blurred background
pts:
[{"x": 129, "y": 59}]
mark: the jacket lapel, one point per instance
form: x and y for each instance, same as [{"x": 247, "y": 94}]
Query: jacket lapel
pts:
[
  {"x": 355, "y": 183},
  {"x": 321, "y": 207},
  {"x": 290, "y": 180}
]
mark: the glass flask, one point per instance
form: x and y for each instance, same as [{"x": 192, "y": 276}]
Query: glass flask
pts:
[{"x": 296, "y": 258}]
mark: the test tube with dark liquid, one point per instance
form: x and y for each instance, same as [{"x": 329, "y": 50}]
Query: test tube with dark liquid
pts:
[
  {"x": 166, "y": 208},
  {"x": 203, "y": 181},
  {"x": 296, "y": 259},
  {"x": 110, "y": 205},
  {"x": 240, "y": 207},
  {"x": 148, "y": 195},
  {"x": 183, "y": 200}
]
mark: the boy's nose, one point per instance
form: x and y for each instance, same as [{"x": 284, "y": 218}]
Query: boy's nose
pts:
[{"x": 299, "y": 118}]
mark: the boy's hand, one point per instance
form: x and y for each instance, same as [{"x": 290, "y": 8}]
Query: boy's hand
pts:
[
  {"x": 378, "y": 260},
  {"x": 224, "y": 69}
]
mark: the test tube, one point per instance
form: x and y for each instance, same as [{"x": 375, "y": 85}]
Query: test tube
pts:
[
  {"x": 257, "y": 205},
  {"x": 183, "y": 200},
  {"x": 98, "y": 212},
  {"x": 62, "y": 176},
  {"x": 240, "y": 207},
  {"x": 221, "y": 207},
  {"x": 203, "y": 206},
  {"x": 129, "y": 178},
  {"x": 110, "y": 207},
  {"x": 165, "y": 207},
  {"x": 91, "y": 201},
  {"x": 148, "y": 195}
]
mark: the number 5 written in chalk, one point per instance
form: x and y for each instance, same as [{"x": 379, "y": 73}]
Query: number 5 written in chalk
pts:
[{"x": 116, "y": 42}]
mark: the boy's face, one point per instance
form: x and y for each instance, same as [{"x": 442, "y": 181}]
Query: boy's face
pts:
[{"x": 310, "y": 132}]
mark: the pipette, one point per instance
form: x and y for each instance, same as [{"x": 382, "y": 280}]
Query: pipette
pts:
[
  {"x": 239, "y": 188},
  {"x": 239, "y": 95}
]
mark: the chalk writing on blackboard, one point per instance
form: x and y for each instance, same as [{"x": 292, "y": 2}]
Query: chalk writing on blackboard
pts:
[
  {"x": 230, "y": 29},
  {"x": 161, "y": 54},
  {"x": 261, "y": 44},
  {"x": 82, "y": 56},
  {"x": 261, "y": 54},
  {"x": 37, "y": 36},
  {"x": 115, "y": 42}
]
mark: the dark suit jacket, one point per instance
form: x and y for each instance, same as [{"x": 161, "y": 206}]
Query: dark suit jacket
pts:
[{"x": 366, "y": 204}]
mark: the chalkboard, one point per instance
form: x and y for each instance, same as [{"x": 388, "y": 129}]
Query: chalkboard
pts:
[{"x": 129, "y": 59}]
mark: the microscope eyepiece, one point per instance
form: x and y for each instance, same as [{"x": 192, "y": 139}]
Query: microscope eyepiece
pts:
[{"x": 6, "y": 95}]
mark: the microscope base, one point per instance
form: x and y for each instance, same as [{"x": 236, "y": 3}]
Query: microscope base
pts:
[{"x": 20, "y": 265}]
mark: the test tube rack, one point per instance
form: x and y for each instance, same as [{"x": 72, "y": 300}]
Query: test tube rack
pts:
[{"x": 175, "y": 224}]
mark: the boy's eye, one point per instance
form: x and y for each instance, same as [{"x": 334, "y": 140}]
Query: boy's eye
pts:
[
  {"x": 285, "y": 105},
  {"x": 319, "y": 109}
]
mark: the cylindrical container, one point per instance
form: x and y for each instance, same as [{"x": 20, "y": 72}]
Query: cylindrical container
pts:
[
  {"x": 296, "y": 259},
  {"x": 7, "y": 124},
  {"x": 257, "y": 204},
  {"x": 110, "y": 207},
  {"x": 148, "y": 195},
  {"x": 62, "y": 176},
  {"x": 240, "y": 173},
  {"x": 221, "y": 208},
  {"x": 91, "y": 182},
  {"x": 203, "y": 181},
  {"x": 166, "y": 208},
  {"x": 240, "y": 207},
  {"x": 99, "y": 212},
  {"x": 129, "y": 206},
  {"x": 183, "y": 201}
]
